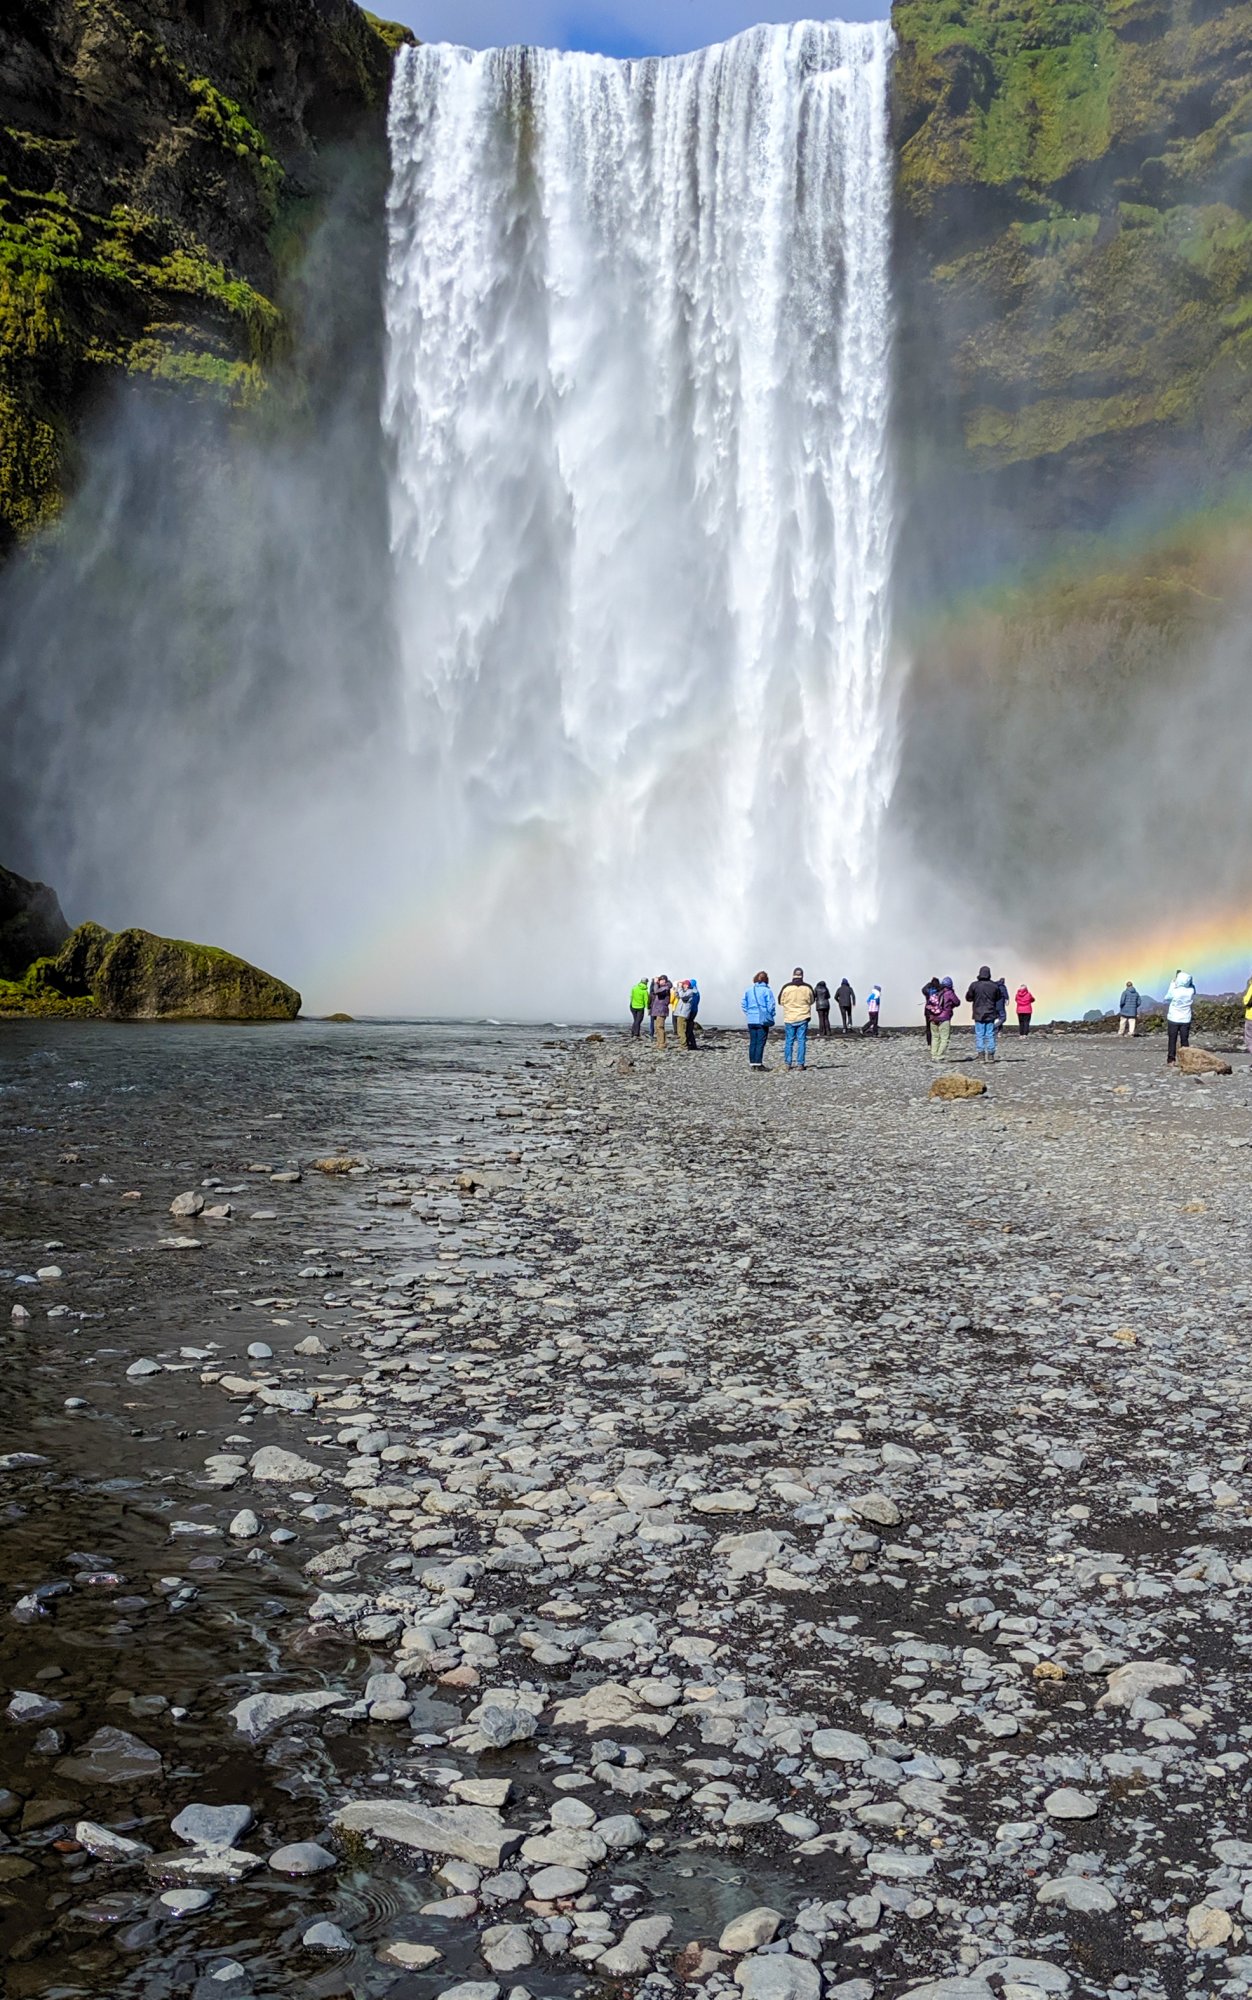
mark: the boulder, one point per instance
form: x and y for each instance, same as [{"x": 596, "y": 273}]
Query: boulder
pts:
[
  {"x": 470, "y": 1833},
  {"x": 952, "y": 1086},
  {"x": 132, "y": 975},
  {"x": 1202, "y": 1062},
  {"x": 31, "y": 923}
]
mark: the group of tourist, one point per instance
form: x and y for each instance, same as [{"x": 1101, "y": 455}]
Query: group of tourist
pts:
[{"x": 662, "y": 1003}]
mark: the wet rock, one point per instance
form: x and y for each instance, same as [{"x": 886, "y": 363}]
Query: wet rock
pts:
[
  {"x": 753, "y": 1928},
  {"x": 778, "y": 1979},
  {"x": 636, "y": 1948},
  {"x": 211, "y": 1826},
  {"x": 198, "y": 1865},
  {"x": 26, "y": 1707},
  {"x": 471, "y": 1833},
  {"x": 412, "y": 1957},
  {"x": 112, "y": 1757},
  {"x": 245, "y": 1526},
  {"x": 184, "y": 1206},
  {"x": 186, "y": 1902},
  {"x": 326, "y": 1937},
  {"x": 284, "y": 1468},
  {"x": 301, "y": 1857},
  {"x": 257, "y": 1714},
  {"x": 106, "y": 1845},
  {"x": 507, "y": 1947}
]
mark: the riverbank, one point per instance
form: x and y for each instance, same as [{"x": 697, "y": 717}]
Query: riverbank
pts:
[{"x": 723, "y": 1490}]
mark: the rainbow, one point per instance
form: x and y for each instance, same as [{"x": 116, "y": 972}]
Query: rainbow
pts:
[{"x": 1215, "y": 948}]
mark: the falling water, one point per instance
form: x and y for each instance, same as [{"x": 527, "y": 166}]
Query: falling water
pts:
[{"x": 639, "y": 333}]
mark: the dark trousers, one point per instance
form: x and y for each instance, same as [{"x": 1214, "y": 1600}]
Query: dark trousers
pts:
[
  {"x": 1023, "y": 1024},
  {"x": 757, "y": 1038},
  {"x": 871, "y": 1026},
  {"x": 823, "y": 1020},
  {"x": 690, "y": 1042},
  {"x": 845, "y": 1015},
  {"x": 636, "y": 1022},
  {"x": 1178, "y": 1031}
]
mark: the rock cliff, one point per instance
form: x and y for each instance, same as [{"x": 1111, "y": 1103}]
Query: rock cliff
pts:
[
  {"x": 1075, "y": 206},
  {"x": 162, "y": 164}
]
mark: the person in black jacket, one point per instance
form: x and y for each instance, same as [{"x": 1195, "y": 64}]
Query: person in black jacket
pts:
[
  {"x": 932, "y": 986},
  {"x": 821, "y": 1000},
  {"x": 983, "y": 995},
  {"x": 845, "y": 1000}
]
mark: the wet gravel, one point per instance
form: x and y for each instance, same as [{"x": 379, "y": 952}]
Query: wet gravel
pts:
[{"x": 621, "y": 1521}]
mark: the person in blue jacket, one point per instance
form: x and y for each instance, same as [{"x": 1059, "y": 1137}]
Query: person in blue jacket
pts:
[{"x": 758, "y": 1009}]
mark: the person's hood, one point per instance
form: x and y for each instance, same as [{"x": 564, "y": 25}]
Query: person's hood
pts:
[
  {"x": 947, "y": 983},
  {"x": 984, "y": 972},
  {"x": 1185, "y": 979}
]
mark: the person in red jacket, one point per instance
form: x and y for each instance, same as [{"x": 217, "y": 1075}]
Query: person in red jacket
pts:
[{"x": 1024, "y": 1001}]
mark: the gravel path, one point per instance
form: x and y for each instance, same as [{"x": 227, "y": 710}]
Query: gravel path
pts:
[{"x": 794, "y": 1533}]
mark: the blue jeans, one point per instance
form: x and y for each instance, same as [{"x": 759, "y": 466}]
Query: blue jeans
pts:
[
  {"x": 985, "y": 1037},
  {"x": 758, "y": 1035},
  {"x": 795, "y": 1039}
]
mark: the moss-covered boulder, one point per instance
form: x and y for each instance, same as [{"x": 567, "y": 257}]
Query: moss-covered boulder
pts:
[
  {"x": 31, "y": 923},
  {"x": 133, "y": 976}
]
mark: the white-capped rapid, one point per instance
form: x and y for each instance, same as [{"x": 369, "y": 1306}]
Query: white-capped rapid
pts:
[{"x": 638, "y": 380}]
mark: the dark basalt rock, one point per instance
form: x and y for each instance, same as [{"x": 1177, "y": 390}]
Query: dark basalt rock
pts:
[{"x": 31, "y": 923}]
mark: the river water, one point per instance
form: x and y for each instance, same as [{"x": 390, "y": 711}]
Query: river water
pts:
[{"x": 154, "y": 1621}]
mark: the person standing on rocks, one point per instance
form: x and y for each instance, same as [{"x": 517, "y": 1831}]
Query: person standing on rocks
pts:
[
  {"x": 1128, "y": 1010},
  {"x": 658, "y": 1006},
  {"x": 1024, "y": 1002},
  {"x": 1180, "y": 1001},
  {"x": 796, "y": 1000},
  {"x": 873, "y": 1006},
  {"x": 984, "y": 995},
  {"x": 683, "y": 1016},
  {"x": 845, "y": 1000},
  {"x": 931, "y": 987},
  {"x": 941, "y": 1005},
  {"x": 759, "y": 1010},
  {"x": 821, "y": 996},
  {"x": 1002, "y": 1003},
  {"x": 638, "y": 1007},
  {"x": 1247, "y": 1018},
  {"x": 693, "y": 993}
]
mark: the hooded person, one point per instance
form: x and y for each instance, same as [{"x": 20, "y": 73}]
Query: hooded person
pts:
[
  {"x": 796, "y": 1001},
  {"x": 941, "y": 1005},
  {"x": 1180, "y": 1004},
  {"x": 984, "y": 995},
  {"x": 1247, "y": 1018},
  {"x": 873, "y": 1006},
  {"x": 1128, "y": 1009},
  {"x": 932, "y": 986},
  {"x": 845, "y": 1000},
  {"x": 685, "y": 1014},
  {"x": 638, "y": 1006},
  {"x": 758, "y": 1011},
  {"x": 821, "y": 996}
]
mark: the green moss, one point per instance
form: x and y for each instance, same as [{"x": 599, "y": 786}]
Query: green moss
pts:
[
  {"x": 221, "y": 119},
  {"x": 37, "y": 995},
  {"x": 392, "y": 34}
]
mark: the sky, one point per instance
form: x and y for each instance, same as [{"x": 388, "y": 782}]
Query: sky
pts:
[{"x": 609, "y": 27}]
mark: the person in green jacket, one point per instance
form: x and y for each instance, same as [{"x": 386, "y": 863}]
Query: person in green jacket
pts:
[{"x": 638, "y": 1006}]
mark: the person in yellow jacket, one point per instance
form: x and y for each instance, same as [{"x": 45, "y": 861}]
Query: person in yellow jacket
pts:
[
  {"x": 795, "y": 1000},
  {"x": 1247, "y": 1018}
]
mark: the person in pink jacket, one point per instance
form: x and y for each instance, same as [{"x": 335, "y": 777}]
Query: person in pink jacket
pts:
[{"x": 1024, "y": 1001}]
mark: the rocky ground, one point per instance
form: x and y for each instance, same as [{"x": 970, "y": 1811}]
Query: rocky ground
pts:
[{"x": 762, "y": 1535}]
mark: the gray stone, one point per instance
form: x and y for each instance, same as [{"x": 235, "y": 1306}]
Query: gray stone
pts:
[
  {"x": 326, "y": 1937},
  {"x": 1076, "y": 1892},
  {"x": 778, "y": 1979},
  {"x": 636, "y": 1948},
  {"x": 301, "y": 1857},
  {"x": 1070, "y": 1804},
  {"x": 211, "y": 1826},
  {"x": 257, "y": 1714},
  {"x": 472, "y": 1833},
  {"x": 752, "y": 1928}
]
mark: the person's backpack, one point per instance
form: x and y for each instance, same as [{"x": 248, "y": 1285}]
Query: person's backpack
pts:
[{"x": 934, "y": 1006}]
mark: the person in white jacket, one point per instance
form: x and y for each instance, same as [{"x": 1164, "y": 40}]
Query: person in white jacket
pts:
[{"x": 1180, "y": 1001}]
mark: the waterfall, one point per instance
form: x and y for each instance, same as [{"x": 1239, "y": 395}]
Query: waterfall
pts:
[{"x": 638, "y": 378}]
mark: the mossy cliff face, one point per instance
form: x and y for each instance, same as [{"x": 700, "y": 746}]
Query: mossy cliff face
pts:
[
  {"x": 160, "y": 167},
  {"x": 133, "y": 976},
  {"x": 1075, "y": 204},
  {"x": 31, "y": 923}
]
